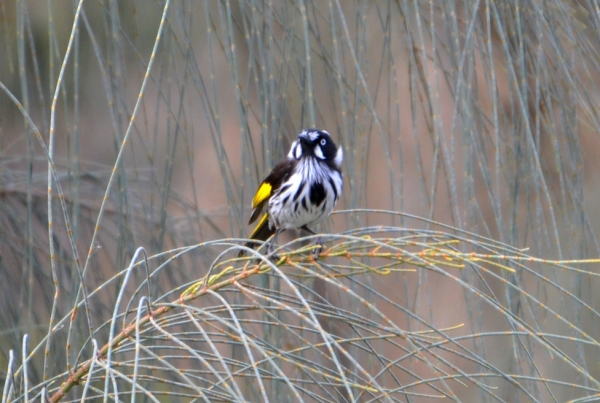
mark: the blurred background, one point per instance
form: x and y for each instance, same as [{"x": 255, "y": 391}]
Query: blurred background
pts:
[{"x": 127, "y": 124}]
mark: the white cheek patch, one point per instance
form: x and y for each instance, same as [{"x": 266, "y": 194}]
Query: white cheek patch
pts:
[
  {"x": 292, "y": 150},
  {"x": 339, "y": 157},
  {"x": 319, "y": 153},
  {"x": 298, "y": 151}
]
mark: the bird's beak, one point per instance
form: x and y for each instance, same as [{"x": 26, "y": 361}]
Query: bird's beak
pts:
[{"x": 305, "y": 140}]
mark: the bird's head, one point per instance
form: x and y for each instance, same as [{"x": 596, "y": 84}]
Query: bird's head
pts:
[{"x": 317, "y": 144}]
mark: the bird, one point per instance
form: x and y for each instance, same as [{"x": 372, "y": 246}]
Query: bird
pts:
[{"x": 300, "y": 191}]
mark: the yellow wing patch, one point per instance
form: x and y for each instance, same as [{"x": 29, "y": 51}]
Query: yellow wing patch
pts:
[{"x": 262, "y": 194}]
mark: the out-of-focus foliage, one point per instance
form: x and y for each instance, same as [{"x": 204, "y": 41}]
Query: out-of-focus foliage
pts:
[{"x": 127, "y": 124}]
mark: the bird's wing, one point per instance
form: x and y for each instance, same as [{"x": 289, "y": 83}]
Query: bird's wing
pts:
[
  {"x": 270, "y": 185},
  {"x": 262, "y": 196},
  {"x": 264, "y": 192}
]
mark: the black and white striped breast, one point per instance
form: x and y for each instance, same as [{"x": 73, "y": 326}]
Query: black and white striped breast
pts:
[{"x": 307, "y": 196}]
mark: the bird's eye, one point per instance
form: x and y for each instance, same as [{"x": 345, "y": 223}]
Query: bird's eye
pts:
[{"x": 323, "y": 142}]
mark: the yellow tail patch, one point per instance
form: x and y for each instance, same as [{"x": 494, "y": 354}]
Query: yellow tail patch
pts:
[{"x": 263, "y": 221}]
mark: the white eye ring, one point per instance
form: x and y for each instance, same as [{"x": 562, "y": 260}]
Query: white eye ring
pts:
[{"x": 323, "y": 142}]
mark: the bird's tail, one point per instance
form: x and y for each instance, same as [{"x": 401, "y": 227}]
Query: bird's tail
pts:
[{"x": 262, "y": 232}]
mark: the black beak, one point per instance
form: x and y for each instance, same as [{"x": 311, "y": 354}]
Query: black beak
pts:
[{"x": 305, "y": 141}]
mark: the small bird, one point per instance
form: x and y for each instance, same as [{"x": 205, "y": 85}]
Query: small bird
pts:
[{"x": 301, "y": 190}]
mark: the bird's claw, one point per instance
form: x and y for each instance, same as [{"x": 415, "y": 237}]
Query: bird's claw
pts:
[{"x": 319, "y": 248}]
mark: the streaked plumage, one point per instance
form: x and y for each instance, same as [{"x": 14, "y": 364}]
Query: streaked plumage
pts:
[{"x": 302, "y": 189}]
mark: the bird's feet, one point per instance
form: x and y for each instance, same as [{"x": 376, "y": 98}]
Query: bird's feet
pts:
[
  {"x": 318, "y": 247},
  {"x": 318, "y": 242},
  {"x": 271, "y": 255}
]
